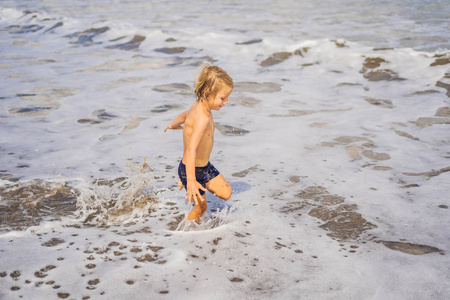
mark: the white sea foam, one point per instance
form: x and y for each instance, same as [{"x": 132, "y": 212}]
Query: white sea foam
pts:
[
  {"x": 209, "y": 221},
  {"x": 78, "y": 108}
]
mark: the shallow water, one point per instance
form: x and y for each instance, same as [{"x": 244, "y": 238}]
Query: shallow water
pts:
[{"x": 335, "y": 142}]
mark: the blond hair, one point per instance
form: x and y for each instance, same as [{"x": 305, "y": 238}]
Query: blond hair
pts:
[{"x": 210, "y": 81}]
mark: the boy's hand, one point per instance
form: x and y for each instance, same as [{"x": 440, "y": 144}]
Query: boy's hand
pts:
[
  {"x": 172, "y": 127},
  {"x": 193, "y": 192},
  {"x": 176, "y": 124}
]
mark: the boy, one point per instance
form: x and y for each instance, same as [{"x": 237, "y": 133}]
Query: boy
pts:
[{"x": 197, "y": 174}]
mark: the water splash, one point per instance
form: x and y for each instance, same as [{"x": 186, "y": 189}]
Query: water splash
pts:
[
  {"x": 208, "y": 221},
  {"x": 118, "y": 201}
]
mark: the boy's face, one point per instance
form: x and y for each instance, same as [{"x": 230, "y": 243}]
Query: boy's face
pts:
[{"x": 221, "y": 99}]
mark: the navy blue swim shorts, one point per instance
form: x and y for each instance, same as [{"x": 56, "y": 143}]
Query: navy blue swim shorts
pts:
[{"x": 202, "y": 174}]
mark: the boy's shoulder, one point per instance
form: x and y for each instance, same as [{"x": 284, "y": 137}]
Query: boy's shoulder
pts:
[{"x": 197, "y": 110}]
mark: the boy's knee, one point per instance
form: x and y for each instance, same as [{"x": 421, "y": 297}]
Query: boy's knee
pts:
[{"x": 227, "y": 194}]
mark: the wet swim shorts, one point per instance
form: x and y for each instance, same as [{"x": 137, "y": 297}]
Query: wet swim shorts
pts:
[{"x": 202, "y": 174}]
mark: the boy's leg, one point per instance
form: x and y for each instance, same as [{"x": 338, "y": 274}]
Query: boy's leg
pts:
[
  {"x": 219, "y": 187},
  {"x": 198, "y": 210}
]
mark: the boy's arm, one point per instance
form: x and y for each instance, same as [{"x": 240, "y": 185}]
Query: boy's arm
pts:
[
  {"x": 176, "y": 124},
  {"x": 193, "y": 186}
]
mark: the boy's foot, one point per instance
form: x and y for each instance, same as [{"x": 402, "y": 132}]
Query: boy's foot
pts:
[
  {"x": 195, "y": 214},
  {"x": 198, "y": 210}
]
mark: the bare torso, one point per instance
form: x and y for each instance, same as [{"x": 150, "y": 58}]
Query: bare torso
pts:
[{"x": 205, "y": 146}]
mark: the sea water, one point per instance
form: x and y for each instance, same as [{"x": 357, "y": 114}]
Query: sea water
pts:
[{"x": 336, "y": 143}]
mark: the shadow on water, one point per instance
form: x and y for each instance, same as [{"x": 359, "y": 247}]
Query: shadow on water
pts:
[
  {"x": 240, "y": 187},
  {"x": 217, "y": 204},
  {"x": 217, "y": 214}
]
